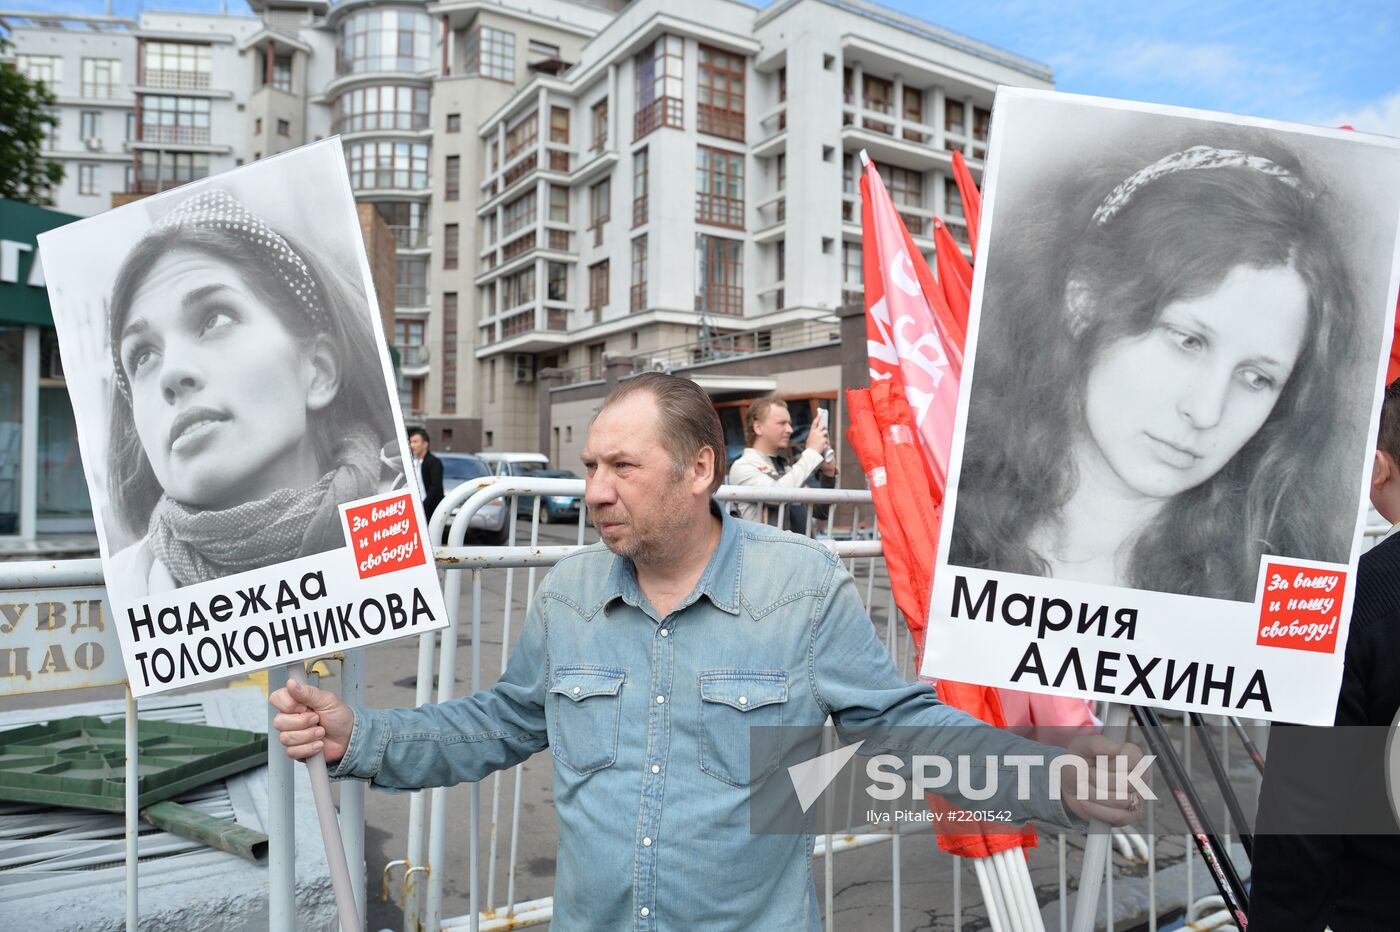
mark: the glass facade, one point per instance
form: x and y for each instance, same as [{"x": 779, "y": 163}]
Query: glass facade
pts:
[
  {"x": 401, "y": 165},
  {"x": 384, "y": 40},
  {"x": 386, "y": 107}
]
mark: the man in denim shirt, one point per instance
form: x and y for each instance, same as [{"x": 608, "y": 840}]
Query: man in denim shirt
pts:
[{"x": 642, "y": 665}]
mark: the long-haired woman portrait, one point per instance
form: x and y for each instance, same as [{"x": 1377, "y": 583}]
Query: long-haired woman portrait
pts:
[
  {"x": 1162, "y": 405},
  {"x": 248, "y": 400}
]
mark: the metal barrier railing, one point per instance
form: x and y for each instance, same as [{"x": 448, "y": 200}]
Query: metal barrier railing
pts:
[{"x": 426, "y": 845}]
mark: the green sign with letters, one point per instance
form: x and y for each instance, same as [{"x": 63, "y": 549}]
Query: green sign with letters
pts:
[{"x": 23, "y": 298}]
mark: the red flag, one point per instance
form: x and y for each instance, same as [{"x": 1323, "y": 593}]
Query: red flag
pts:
[
  {"x": 971, "y": 198},
  {"x": 906, "y": 327}
]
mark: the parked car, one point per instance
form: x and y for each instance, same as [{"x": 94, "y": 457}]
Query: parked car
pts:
[
  {"x": 488, "y": 525},
  {"x": 552, "y": 507},
  {"x": 515, "y": 464}
]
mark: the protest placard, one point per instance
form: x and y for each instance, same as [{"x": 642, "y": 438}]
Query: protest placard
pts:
[
  {"x": 1174, "y": 369},
  {"x": 239, "y": 424}
]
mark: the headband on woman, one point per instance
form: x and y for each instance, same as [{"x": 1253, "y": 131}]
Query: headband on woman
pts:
[
  {"x": 1192, "y": 159},
  {"x": 218, "y": 210}
]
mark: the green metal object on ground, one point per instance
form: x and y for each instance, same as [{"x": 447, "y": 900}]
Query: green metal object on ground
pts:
[
  {"x": 205, "y": 829},
  {"x": 81, "y": 761}
]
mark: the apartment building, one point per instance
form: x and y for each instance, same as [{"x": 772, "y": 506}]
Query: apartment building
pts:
[
  {"x": 643, "y": 208},
  {"x": 576, "y": 190}
]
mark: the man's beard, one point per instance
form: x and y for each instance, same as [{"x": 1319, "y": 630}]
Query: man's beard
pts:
[{"x": 666, "y": 536}]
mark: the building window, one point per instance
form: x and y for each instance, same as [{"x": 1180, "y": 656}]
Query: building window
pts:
[
  {"x": 952, "y": 199},
  {"x": 595, "y": 361},
  {"x": 282, "y": 73},
  {"x": 780, "y": 254},
  {"x": 491, "y": 53},
  {"x": 719, "y": 186},
  {"x": 640, "y": 181},
  {"x": 385, "y": 40},
  {"x": 639, "y": 273},
  {"x": 558, "y": 204},
  {"x": 981, "y": 124},
  {"x": 46, "y": 68},
  {"x": 490, "y": 435},
  {"x": 599, "y": 208},
  {"x": 719, "y": 275},
  {"x": 411, "y": 282},
  {"x": 852, "y": 272},
  {"x": 409, "y": 333},
  {"x": 600, "y": 125},
  {"x": 449, "y": 246},
  {"x": 598, "y": 289},
  {"x": 257, "y": 128},
  {"x": 90, "y": 124},
  {"x": 543, "y": 48},
  {"x": 660, "y": 78},
  {"x": 389, "y": 106},
  {"x": 452, "y": 178},
  {"x": 177, "y": 120},
  {"x": 176, "y": 66},
  {"x": 101, "y": 77},
  {"x": 556, "y": 281},
  {"x": 387, "y": 165},
  {"x": 284, "y": 128},
  {"x": 454, "y": 122},
  {"x": 131, "y": 126},
  {"x": 518, "y": 214},
  {"x": 158, "y": 171},
  {"x": 518, "y": 288},
  {"x": 523, "y": 135},
  {"x": 87, "y": 178},
  {"x": 408, "y": 220},
  {"x": 449, "y": 354},
  {"x": 559, "y": 125},
  {"x": 953, "y": 117},
  {"x": 720, "y": 108}
]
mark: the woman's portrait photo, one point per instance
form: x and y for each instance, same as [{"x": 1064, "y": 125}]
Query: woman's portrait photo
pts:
[
  {"x": 235, "y": 371},
  {"x": 1179, "y": 336}
]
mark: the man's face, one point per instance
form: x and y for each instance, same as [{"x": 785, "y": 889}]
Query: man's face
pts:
[
  {"x": 773, "y": 431},
  {"x": 418, "y": 445},
  {"x": 642, "y": 509}
]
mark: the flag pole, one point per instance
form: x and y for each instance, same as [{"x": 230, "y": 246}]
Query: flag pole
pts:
[{"x": 1096, "y": 847}]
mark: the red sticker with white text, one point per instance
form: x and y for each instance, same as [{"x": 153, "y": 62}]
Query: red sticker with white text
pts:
[
  {"x": 1302, "y": 607},
  {"x": 384, "y": 536}
]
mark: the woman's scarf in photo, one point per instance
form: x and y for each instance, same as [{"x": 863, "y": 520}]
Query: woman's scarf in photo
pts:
[{"x": 196, "y": 545}]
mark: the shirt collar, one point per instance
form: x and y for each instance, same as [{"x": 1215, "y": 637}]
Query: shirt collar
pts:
[{"x": 719, "y": 582}]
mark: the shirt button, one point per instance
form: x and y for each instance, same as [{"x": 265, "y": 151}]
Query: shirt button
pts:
[
  {"x": 645, "y": 912},
  {"x": 665, "y": 633},
  {"x": 646, "y": 842},
  {"x": 660, "y": 700},
  {"x": 576, "y": 690},
  {"x": 655, "y": 768},
  {"x": 743, "y": 700}
]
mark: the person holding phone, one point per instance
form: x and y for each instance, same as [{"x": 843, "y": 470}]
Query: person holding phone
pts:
[{"x": 768, "y": 428}]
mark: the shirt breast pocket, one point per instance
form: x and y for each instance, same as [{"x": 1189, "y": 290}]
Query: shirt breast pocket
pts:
[
  {"x": 732, "y": 703},
  {"x": 587, "y": 706}
]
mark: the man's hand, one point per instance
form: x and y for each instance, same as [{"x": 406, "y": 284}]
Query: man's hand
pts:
[
  {"x": 1105, "y": 795},
  {"x": 818, "y": 438},
  {"x": 312, "y": 720}
]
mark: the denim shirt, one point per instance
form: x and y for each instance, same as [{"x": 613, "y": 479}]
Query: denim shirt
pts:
[{"x": 647, "y": 719}]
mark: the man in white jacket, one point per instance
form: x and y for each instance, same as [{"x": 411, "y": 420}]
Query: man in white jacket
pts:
[{"x": 767, "y": 428}]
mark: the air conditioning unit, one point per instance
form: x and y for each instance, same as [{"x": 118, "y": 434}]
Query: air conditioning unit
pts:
[
  {"x": 658, "y": 364},
  {"x": 93, "y": 144},
  {"x": 524, "y": 368}
]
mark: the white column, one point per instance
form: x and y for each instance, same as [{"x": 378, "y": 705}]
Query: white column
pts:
[
  {"x": 858, "y": 93},
  {"x": 614, "y": 107},
  {"x": 939, "y": 112},
  {"x": 967, "y": 126},
  {"x": 29, "y": 435},
  {"x": 897, "y": 108}
]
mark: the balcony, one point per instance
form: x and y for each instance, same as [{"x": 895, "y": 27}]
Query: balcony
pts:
[
  {"x": 146, "y": 186},
  {"x": 718, "y": 121},
  {"x": 719, "y": 211},
  {"x": 664, "y": 111},
  {"x": 717, "y": 298},
  {"x": 413, "y": 358},
  {"x": 519, "y": 170},
  {"x": 176, "y": 135},
  {"x": 167, "y": 79},
  {"x": 410, "y": 296},
  {"x": 793, "y": 336},
  {"x": 410, "y": 237},
  {"x": 560, "y": 161},
  {"x": 561, "y": 240},
  {"x": 518, "y": 246}
]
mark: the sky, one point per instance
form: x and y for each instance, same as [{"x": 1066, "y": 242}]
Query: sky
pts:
[{"x": 1325, "y": 62}]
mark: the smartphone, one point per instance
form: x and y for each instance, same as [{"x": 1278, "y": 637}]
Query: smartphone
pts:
[{"x": 821, "y": 421}]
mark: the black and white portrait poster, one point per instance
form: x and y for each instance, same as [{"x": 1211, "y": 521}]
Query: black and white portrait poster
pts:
[
  {"x": 238, "y": 423},
  {"x": 1168, "y": 412}
]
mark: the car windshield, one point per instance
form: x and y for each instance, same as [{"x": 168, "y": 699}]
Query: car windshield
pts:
[
  {"x": 533, "y": 469},
  {"x": 463, "y": 467}
]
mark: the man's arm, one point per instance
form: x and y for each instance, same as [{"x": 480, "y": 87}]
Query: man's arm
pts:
[
  {"x": 743, "y": 473},
  {"x": 458, "y": 741},
  {"x": 855, "y": 681}
]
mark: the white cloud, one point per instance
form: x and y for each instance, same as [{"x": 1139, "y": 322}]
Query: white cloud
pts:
[{"x": 1379, "y": 116}]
